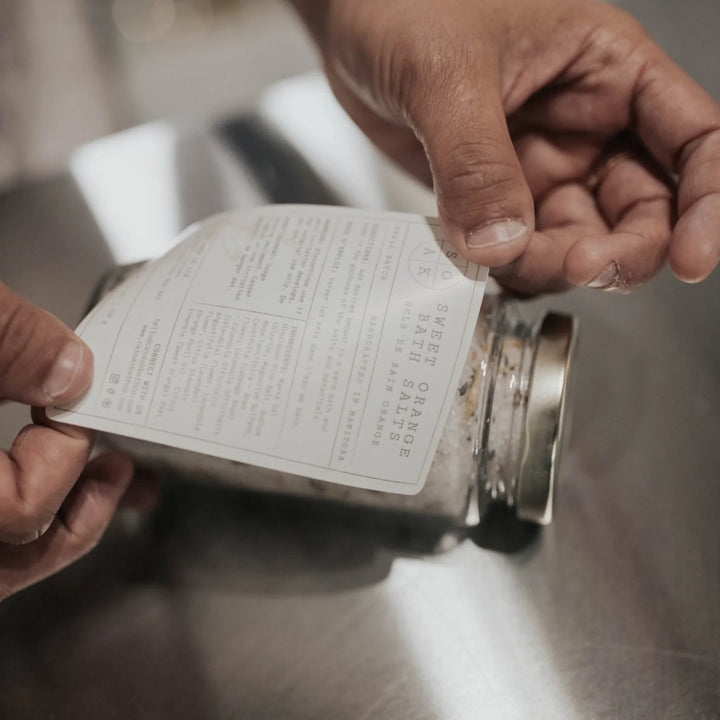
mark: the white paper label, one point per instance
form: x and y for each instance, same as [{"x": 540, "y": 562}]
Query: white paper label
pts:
[{"x": 325, "y": 342}]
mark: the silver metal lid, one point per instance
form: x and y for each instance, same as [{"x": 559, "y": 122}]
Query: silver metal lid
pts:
[{"x": 545, "y": 418}]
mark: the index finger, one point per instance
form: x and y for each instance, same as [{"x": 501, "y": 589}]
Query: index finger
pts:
[{"x": 680, "y": 124}]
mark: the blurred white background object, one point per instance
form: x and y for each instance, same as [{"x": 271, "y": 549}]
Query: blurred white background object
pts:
[
  {"x": 75, "y": 70},
  {"x": 203, "y": 59},
  {"x": 54, "y": 91}
]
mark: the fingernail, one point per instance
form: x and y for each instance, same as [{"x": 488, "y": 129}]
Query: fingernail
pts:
[
  {"x": 45, "y": 527},
  {"x": 496, "y": 233},
  {"x": 67, "y": 367},
  {"x": 605, "y": 278}
]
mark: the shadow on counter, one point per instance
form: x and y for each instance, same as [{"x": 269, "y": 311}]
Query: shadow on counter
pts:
[{"x": 215, "y": 536}]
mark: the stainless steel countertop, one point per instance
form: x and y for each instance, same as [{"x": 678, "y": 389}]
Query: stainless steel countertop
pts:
[{"x": 227, "y": 605}]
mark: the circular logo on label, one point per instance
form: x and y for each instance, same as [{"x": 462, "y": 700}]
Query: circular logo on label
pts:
[{"x": 437, "y": 266}]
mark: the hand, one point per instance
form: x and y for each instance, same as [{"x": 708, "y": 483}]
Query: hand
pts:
[
  {"x": 564, "y": 146},
  {"x": 48, "y": 517}
]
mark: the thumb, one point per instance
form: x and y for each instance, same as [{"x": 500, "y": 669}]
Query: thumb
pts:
[
  {"x": 42, "y": 361},
  {"x": 484, "y": 202}
]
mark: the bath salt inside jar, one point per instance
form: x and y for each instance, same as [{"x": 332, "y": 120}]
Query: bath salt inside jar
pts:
[{"x": 502, "y": 440}]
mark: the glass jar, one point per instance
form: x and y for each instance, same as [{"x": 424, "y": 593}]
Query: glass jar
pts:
[{"x": 501, "y": 442}]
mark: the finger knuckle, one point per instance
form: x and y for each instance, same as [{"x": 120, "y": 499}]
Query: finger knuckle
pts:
[
  {"x": 398, "y": 65},
  {"x": 469, "y": 176},
  {"x": 87, "y": 527},
  {"x": 618, "y": 40},
  {"x": 697, "y": 161},
  {"x": 85, "y": 539},
  {"x": 91, "y": 541},
  {"x": 626, "y": 24},
  {"x": 22, "y": 523},
  {"x": 441, "y": 72},
  {"x": 80, "y": 541},
  {"x": 374, "y": 58},
  {"x": 397, "y": 75},
  {"x": 411, "y": 70},
  {"x": 446, "y": 59}
]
